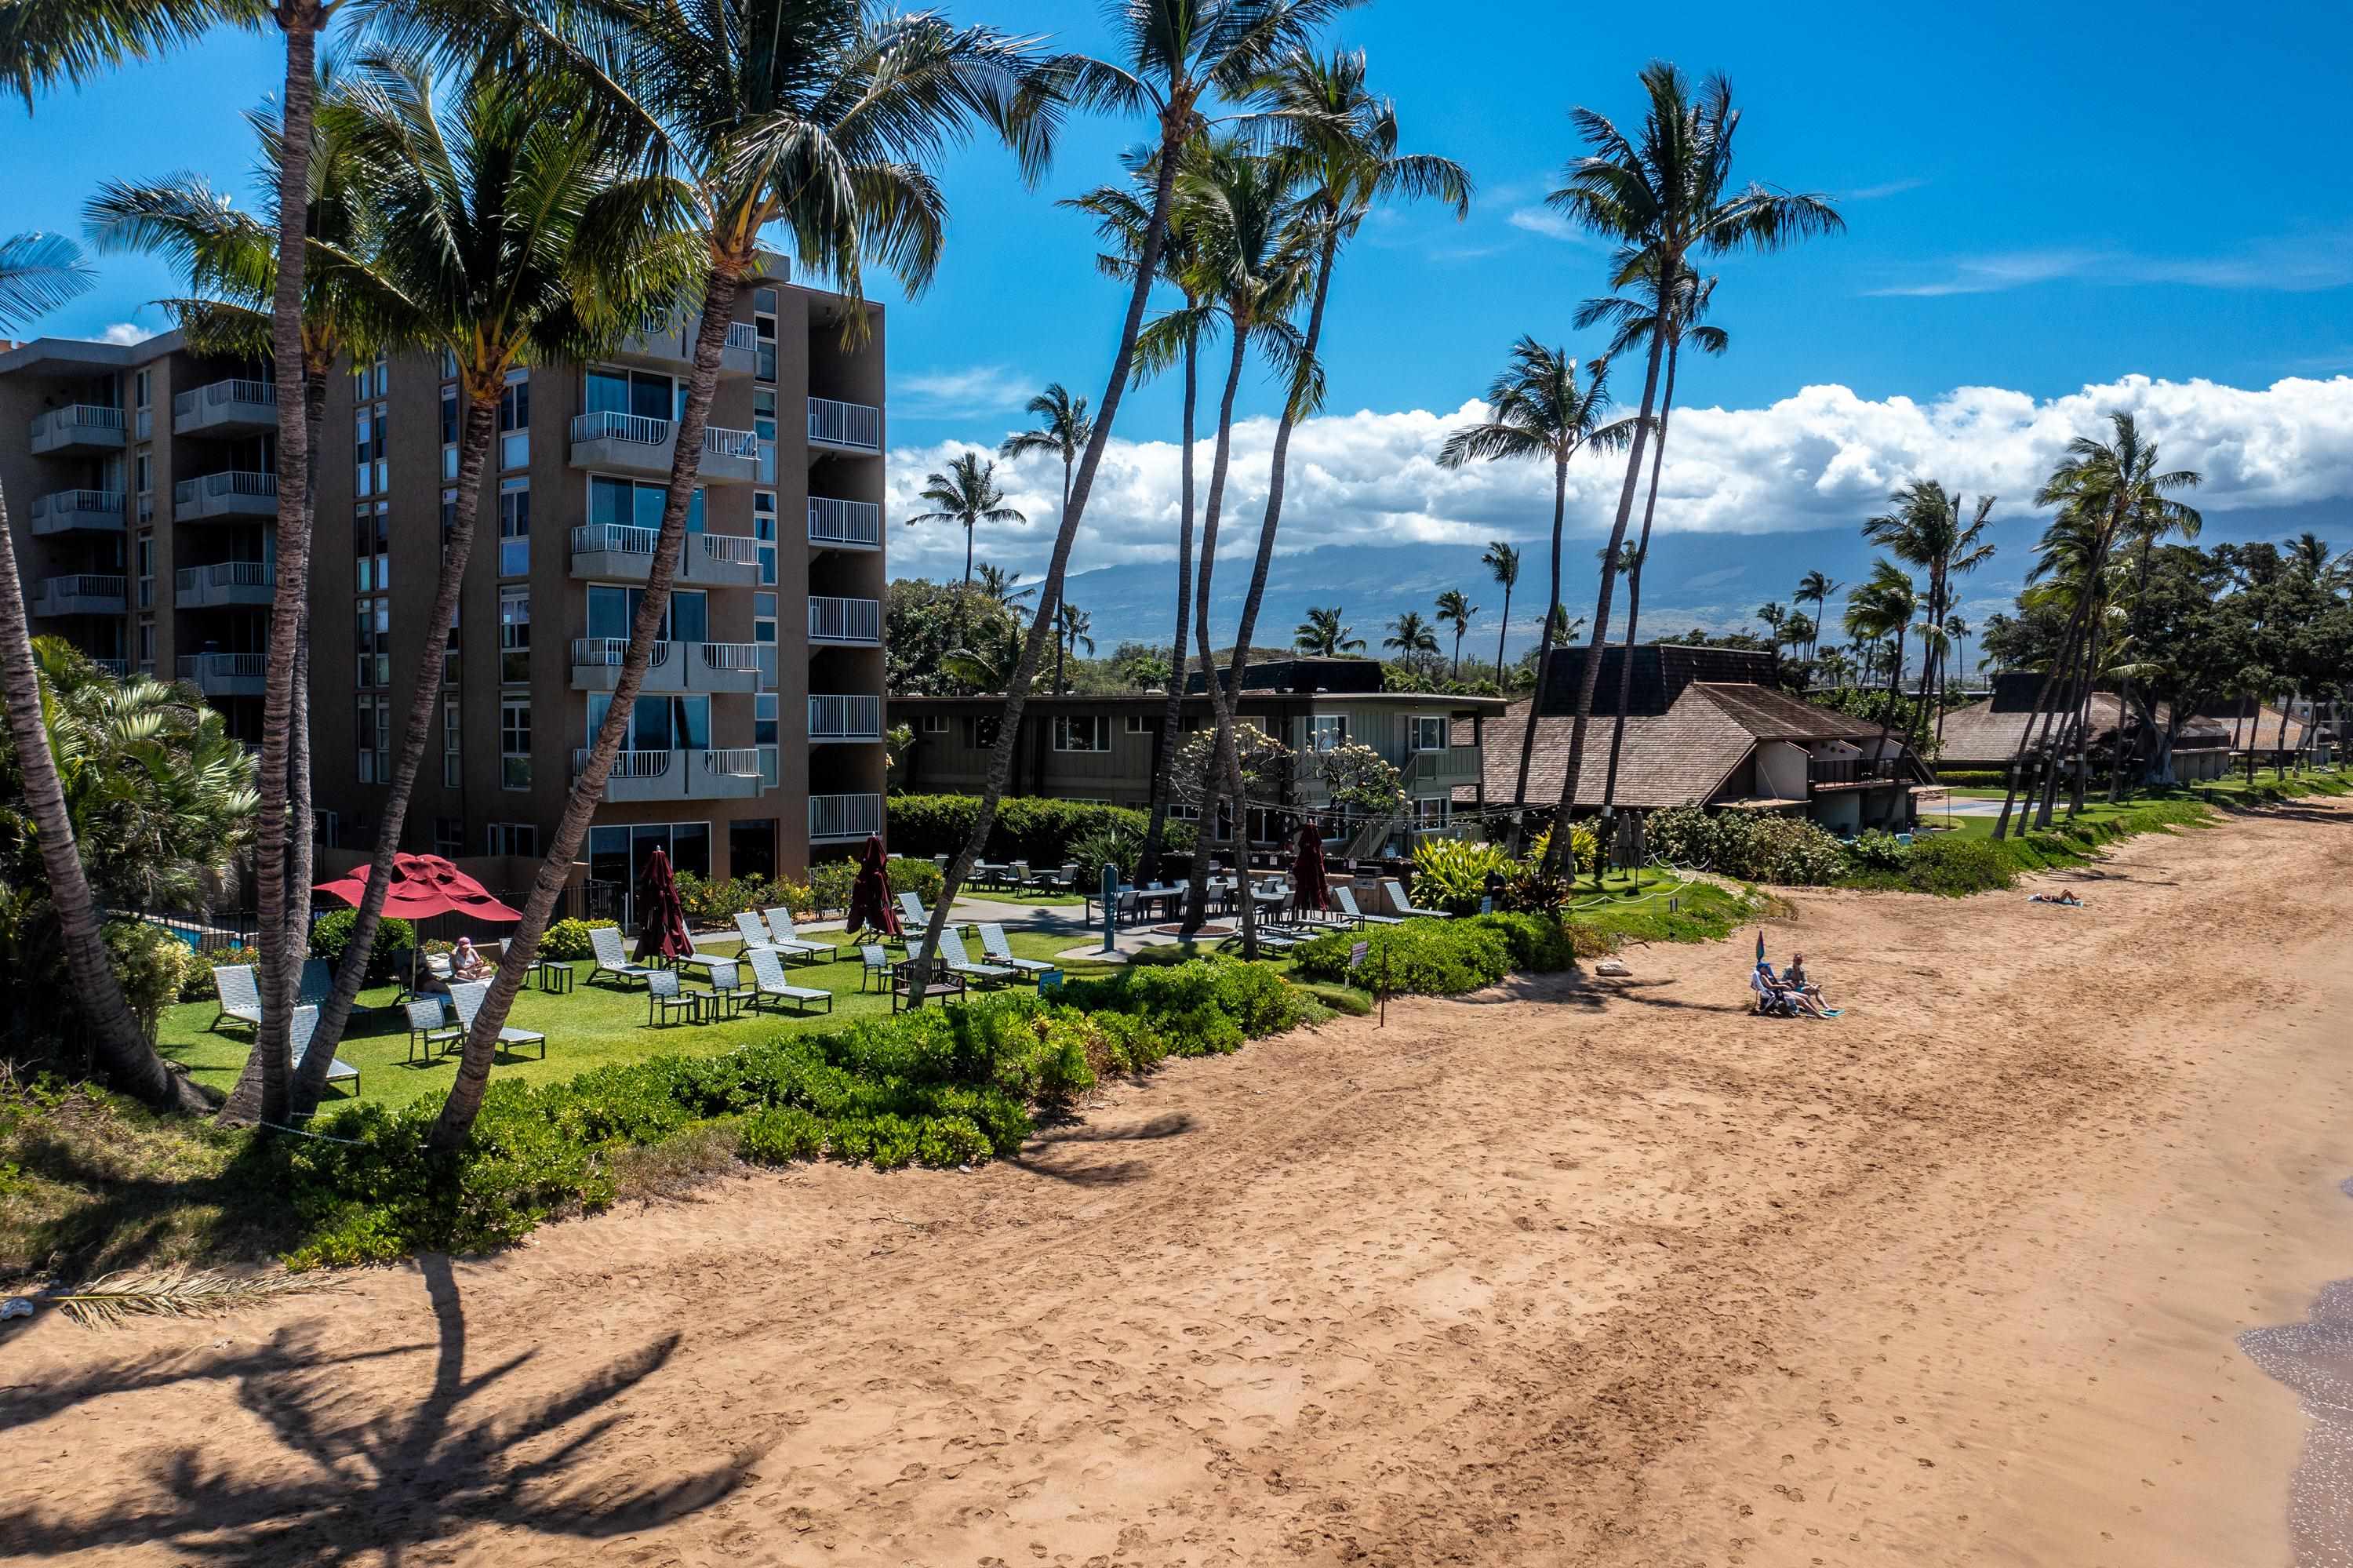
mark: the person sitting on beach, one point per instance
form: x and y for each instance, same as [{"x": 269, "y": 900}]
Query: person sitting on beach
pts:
[
  {"x": 1787, "y": 991},
  {"x": 1794, "y": 978},
  {"x": 2066, "y": 900},
  {"x": 1772, "y": 997},
  {"x": 466, "y": 964}
]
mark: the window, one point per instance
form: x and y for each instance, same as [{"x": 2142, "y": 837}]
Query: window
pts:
[
  {"x": 751, "y": 848},
  {"x": 372, "y": 548},
  {"x": 646, "y": 395},
  {"x": 514, "y": 747},
  {"x": 763, "y": 719},
  {"x": 449, "y": 836},
  {"x": 613, "y": 613},
  {"x": 370, "y": 380},
  {"x": 764, "y": 324},
  {"x": 1427, "y": 732},
  {"x": 143, "y": 467},
  {"x": 1326, "y": 732},
  {"x": 372, "y": 740},
  {"x": 145, "y": 550},
  {"x": 1143, "y": 724},
  {"x": 511, "y": 838},
  {"x": 935, "y": 724},
  {"x": 147, "y": 647},
  {"x": 368, "y": 464},
  {"x": 449, "y": 365},
  {"x": 453, "y": 742},
  {"x": 139, "y": 394},
  {"x": 657, "y": 724},
  {"x": 764, "y": 636},
  {"x": 627, "y": 504},
  {"x": 618, "y": 854},
  {"x": 514, "y": 635},
  {"x": 763, "y": 517},
  {"x": 372, "y": 633},
  {"x": 1431, "y": 812},
  {"x": 1081, "y": 732},
  {"x": 449, "y": 650},
  {"x": 323, "y": 828},
  {"x": 450, "y": 432},
  {"x": 764, "y": 426},
  {"x": 448, "y": 520},
  {"x": 980, "y": 731},
  {"x": 514, "y": 527},
  {"x": 514, "y": 421}
]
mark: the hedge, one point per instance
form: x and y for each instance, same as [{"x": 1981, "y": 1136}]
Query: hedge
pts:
[
  {"x": 1040, "y": 832},
  {"x": 1441, "y": 957}
]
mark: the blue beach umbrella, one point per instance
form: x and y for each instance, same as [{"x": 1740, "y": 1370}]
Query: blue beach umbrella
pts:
[{"x": 1760, "y": 944}]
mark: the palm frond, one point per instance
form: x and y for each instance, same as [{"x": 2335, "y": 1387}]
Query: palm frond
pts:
[
  {"x": 39, "y": 272},
  {"x": 113, "y": 1300}
]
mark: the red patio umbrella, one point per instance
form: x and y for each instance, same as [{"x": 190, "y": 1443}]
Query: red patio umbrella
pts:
[
  {"x": 661, "y": 921},
  {"x": 421, "y": 887},
  {"x": 869, "y": 894},
  {"x": 1308, "y": 888}
]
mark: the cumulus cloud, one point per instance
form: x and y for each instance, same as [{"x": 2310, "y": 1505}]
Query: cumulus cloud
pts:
[
  {"x": 953, "y": 394},
  {"x": 125, "y": 334},
  {"x": 2305, "y": 264},
  {"x": 1823, "y": 457}
]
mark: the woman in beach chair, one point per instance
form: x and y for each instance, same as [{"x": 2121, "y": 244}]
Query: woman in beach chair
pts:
[
  {"x": 1772, "y": 1001},
  {"x": 1794, "y": 978}
]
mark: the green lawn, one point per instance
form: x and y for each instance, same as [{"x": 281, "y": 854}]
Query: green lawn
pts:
[{"x": 588, "y": 1027}]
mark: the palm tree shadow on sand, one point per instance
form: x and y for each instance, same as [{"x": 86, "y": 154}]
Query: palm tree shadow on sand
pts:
[{"x": 363, "y": 1478}]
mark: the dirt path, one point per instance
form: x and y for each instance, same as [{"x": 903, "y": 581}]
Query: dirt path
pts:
[{"x": 1557, "y": 1275}]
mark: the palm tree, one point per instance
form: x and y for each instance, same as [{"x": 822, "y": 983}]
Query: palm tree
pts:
[
  {"x": 1927, "y": 530},
  {"x": 2150, "y": 524},
  {"x": 1071, "y": 626},
  {"x": 1816, "y": 587},
  {"x": 821, "y": 139},
  {"x": 1000, "y": 585},
  {"x": 1456, "y": 611},
  {"x": 1504, "y": 560},
  {"x": 37, "y": 273},
  {"x": 1774, "y": 616},
  {"x": 1323, "y": 634},
  {"x": 1663, "y": 200},
  {"x": 1536, "y": 410},
  {"x": 1064, "y": 431},
  {"x": 968, "y": 494},
  {"x": 1883, "y": 607},
  {"x": 1172, "y": 53},
  {"x": 1409, "y": 634}
]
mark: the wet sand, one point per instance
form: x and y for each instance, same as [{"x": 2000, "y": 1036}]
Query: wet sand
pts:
[{"x": 1604, "y": 1274}]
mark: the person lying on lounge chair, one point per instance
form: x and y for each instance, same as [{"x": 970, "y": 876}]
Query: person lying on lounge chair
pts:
[{"x": 2067, "y": 900}]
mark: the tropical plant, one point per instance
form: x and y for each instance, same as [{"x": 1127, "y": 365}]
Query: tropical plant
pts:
[
  {"x": 1816, "y": 587},
  {"x": 1503, "y": 559},
  {"x": 1665, "y": 197},
  {"x": 1324, "y": 634},
  {"x": 1071, "y": 626},
  {"x": 1063, "y": 429},
  {"x": 39, "y": 272},
  {"x": 1409, "y": 634},
  {"x": 967, "y": 494},
  {"x": 1356, "y": 779},
  {"x": 1884, "y": 606},
  {"x": 1001, "y": 586},
  {"x": 1455, "y": 610},
  {"x": 1451, "y": 873},
  {"x": 1774, "y": 616},
  {"x": 1927, "y": 530}
]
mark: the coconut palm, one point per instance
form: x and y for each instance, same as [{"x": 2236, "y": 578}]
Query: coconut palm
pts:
[
  {"x": 1323, "y": 634},
  {"x": 1504, "y": 560},
  {"x": 1171, "y": 55},
  {"x": 37, "y": 272},
  {"x": 1062, "y": 429},
  {"x": 1884, "y": 606},
  {"x": 1535, "y": 409},
  {"x": 1071, "y": 626},
  {"x": 821, "y": 139},
  {"x": 1774, "y": 614},
  {"x": 1001, "y": 586},
  {"x": 1409, "y": 635},
  {"x": 1927, "y": 530},
  {"x": 1665, "y": 197},
  {"x": 967, "y": 494},
  {"x": 1816, "y": 587},
  {"x": 2149, "y": 525},
  {"x": 1456, "y": 611}
]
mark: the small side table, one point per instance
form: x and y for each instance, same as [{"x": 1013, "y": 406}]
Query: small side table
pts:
[
  {"x": 719, "y": 1005},
  {"x": 553, "y": 977}
]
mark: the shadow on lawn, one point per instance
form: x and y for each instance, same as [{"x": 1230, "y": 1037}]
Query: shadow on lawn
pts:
[{"x": 378, "y": 1475}]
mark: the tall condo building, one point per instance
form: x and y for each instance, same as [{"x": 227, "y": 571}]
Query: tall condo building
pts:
[{"x": 143, "y": 502}]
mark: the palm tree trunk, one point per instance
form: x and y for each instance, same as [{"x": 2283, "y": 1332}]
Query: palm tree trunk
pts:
[
  {"x": 1928, "y": 645},
  {"x": 1634, "y": 587},
  {"x": 1172, "y": 718},
  {"x": 116, "y": 1039},
  {"x": 1544, "y": 656},
  {"x": 1502, "y": 684},
  {"x": 2124, "y": 700},
  {"x": 1590, "y": 675},
  {"x": 967, "y": 555},
  {"x": 425, "y": 693},
  {"x": 1225, "y": 761},
  {"x": 2028, "y": 743},
  {"x": 289, "y": 605},
  {"x": 1175, "y": 124},
  {"x": 1456, "y": 674},
  {"x": 465, "y": 1101}
]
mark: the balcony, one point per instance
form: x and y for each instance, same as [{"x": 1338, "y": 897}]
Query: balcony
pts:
[
  {"x": 698, "y": 775},
  {"x": 226, "y": 409},
  {"x": 77, "y": 430},
  {"x": 844, "y": 524},
  {"x": 77, "y": 512},
  {"x": 670, "y": 350},
  {"x": 844, "y": 718},
  {"x": 845, "y": 622},
  {"x": 834, "y": 426},
  {"x": 832, "y": 818},
  {"x": 672, "y": 666},
  {"x": 632, "y": 443},
  {"x": 1852, "y": 772},
  {"x": 237, "y": 494},
  {"x": 222, "y": 585},
  {"x": 1426, "y": 771},
  {"x": 226, "y": 674},
  {"x": 81, "y": 593},
  {"x": 620, "y": 552}
]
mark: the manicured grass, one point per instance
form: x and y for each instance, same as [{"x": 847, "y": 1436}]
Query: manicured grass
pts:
[{"x": 591, "y": 1026}]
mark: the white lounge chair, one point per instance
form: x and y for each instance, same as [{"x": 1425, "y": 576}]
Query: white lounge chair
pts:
[
  {"x": 960, "y": 963},
  {"x": 1347, "y": 898},
  {"x": 241, "y": 996},
  {"x": 754, "y": 935},
  {"x": 787, "y": 940},
  {"x": 298, "y": 1041},
  {"x": 466, "y": 996},
  {"x": 605, "y": 941},
  {"x": 1000, "y": 951},
  {"x": 1404, "y": 906},
  {"x": 912, "y": 915},
  {"x": 768, "y": 977}
]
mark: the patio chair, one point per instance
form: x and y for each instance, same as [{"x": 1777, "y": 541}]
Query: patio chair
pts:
[
  {"x": 754, "y": 935},
  {"x": 787, "y": 940},
  {"x": 874, "y": 961},
  {"x": 241, "y": 996},
  {"x": 952, "y": 953},
  {"x": 429, "y": 1026},
  {"x": 1345, "y": 897},
  {"x": 305, "y": 1023},
  {"x": 317, "y": 979},
  {"x": 1016, "y": 876},
  {"x": 999, "y": 952},
  {"x": 912, "y": 915},
  {"x": 611, "y": 959},
  {"x": 1404, "y": 906},
  {"x": 768, "y": 977},
  {"x": 466, "y": 996},
  {"x": 663, "y": 997}
]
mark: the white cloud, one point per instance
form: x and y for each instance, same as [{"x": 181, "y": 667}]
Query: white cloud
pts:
[
  {"x": 954, "y": 394},
  {"x": 2305, "y": 264},
  {"x": 1821, "y": 458},
  {"x": 125, "y": 334},
  {"x": 1877, "y": 192},
  {"x": 1550, "y": 223}
]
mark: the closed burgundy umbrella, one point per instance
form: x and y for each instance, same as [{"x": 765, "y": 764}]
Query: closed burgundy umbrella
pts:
[
  {"x": 421, "y": 887},
  {"x": 1308, "y": 888},
  {"x": 869, "y": 894},
  {"x": 661, "y": 921}
]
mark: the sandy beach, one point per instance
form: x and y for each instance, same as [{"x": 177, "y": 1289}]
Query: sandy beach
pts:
[{"x": 1597, "y": 1272}]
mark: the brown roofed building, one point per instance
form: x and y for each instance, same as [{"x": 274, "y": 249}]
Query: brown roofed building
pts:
[{"x": 1988, "y": 734}]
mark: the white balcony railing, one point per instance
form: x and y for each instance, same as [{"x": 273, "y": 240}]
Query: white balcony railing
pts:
[
  {"x": 737, "y": 762},
  {"x": 65, "y": 510},
  {"x": 222, "y": 575},
  {"x": 80, "y": 593},
  {"x": 731, "y": 550},
  {"x": 837, "y": 424},
  {"x": 858, "y": 620},
  {"x": 208, "y": 669},
  {"x": 612, "y": 652},
  {"x": 76, "y": 424},
  {"x": 831, "y": 522},
  {"x": 211, "y": 487},
  {"x": 845, "y": 717},
  {"x": 117, "y": 668},
  {"x": 186, "y": 404},
  {"x": 644, "y": 430},
  {"x": 844, "y": 816},
  {"x": 733, "y": 657}
]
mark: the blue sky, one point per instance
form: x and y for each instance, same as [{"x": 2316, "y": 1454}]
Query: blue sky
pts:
[{"x": 2040, "y": 199}]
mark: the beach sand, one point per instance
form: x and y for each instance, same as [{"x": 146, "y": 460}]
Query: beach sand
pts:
[{"x": 1605, "y": 1274}]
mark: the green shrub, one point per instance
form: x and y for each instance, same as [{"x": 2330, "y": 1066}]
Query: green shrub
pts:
[
  {"x": 829, "y": 883},
  {"x": 1972, "y": 778},
  {"x": 1451, "y": 873},
  {"x": 1953, "y": 866},
  {"x": 716, "y": 904},
  {"x": 1788, "y": 850},
  {"x": 568, "y": 939},
  {"x": 1443, "y": 958},
  {"x": 1878, "y": 851},
  {"x": 331, "y": 934},
  {"x": 196, "y": 978},
  {"x": 1037, "y": 830},
  {"x": 1118, "y": 844},
  {"x": 152, "y": 965}
]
